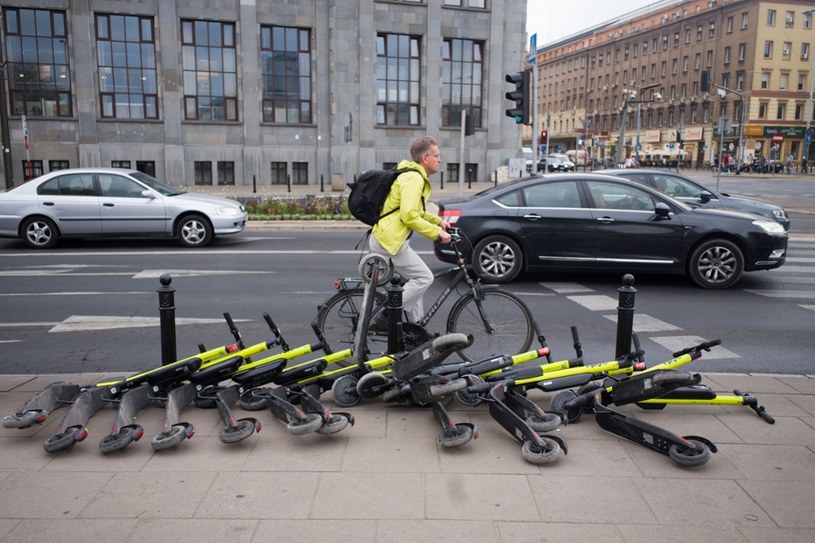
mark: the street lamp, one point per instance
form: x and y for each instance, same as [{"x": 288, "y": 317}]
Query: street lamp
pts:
[
  {"x": 723, "y": 92},
  {"x": 630, "y": 97},
  {"x": 808, "y": 133}
]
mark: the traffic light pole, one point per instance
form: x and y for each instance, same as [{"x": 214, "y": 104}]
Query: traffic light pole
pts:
[{"x": 535, "y": 116}]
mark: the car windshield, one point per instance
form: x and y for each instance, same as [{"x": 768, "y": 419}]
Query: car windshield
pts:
[{"x": 162, "y": 188}]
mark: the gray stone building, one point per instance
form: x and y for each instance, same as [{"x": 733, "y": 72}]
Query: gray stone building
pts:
[{"x": 300, "y": 91}]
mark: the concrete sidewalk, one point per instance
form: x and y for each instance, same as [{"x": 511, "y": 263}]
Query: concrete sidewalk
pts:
[{"x": 385, "y": 479}]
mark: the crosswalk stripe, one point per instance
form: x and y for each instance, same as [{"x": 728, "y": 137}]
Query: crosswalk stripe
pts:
[
  {"x": 646, "y": 323},
  {"x": 807, "y": 306},
  {"x": 565, "y": 287},
  {"x": 598, "y": 302},
  {"x": 806, "y": 294},
  {"x": 677, "y": 343}
]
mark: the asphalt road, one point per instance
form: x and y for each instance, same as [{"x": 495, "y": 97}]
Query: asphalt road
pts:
[{"x": 92, "y": 306}]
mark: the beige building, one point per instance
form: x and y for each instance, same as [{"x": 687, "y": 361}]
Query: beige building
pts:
[{"x": 640, "y": 77}]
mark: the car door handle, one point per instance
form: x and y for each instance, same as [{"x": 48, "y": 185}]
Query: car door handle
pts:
[
  {"x": 606, "y": 219},
  {"x": 108, "y": 204},
  {"x": 49, "y": 204},
  {"x": 532, "y": 217}
]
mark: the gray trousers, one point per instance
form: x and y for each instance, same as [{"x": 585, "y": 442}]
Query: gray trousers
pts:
[{"x": 411, "y": 267}]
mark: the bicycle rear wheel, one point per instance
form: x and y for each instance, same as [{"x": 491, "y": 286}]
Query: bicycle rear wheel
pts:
[
  {"x": 507, "y": 315},
  {"x": 339, "y": 316}
]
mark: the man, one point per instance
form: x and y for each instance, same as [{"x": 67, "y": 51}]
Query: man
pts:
[{"x": 390, "y": 236}]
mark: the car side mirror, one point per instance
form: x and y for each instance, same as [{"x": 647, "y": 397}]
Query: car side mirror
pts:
[
  {"x": 148, "y": 194},
  {"x": 662, "y": 210},
  {"x": 705, "y": 197}
]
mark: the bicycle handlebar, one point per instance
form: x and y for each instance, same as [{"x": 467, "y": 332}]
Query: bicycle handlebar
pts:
[{"x": 696, "y": 349}]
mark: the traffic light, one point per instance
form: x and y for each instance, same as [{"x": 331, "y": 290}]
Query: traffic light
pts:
[
  {"x": 520, "y": 96},
  {"x": 542, "y": 138}
]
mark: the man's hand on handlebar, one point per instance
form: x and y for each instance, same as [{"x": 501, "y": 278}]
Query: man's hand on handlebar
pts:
[{"x": 444, "y": 237}]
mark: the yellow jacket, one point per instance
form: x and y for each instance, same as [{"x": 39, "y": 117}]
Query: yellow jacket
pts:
[{"x": 409, "y": 194}]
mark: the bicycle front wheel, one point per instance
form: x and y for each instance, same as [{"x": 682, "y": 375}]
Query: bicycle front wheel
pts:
[
  {"x": 506, "y": 314},
  {"x": 339, "y": 316}
]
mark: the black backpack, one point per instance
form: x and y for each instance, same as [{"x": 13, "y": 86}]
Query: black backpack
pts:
[{"x": 368, "y": 194}]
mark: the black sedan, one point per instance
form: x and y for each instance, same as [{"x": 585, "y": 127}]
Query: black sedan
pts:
[
  {"x": 693, "y": 192},
  {"x": 598, "y": 222}
]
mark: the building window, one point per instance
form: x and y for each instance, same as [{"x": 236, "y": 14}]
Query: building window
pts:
[
  {"x": 299, "y": 171},
  {"x": 727, "y": 55},
  {"x": 146, "y": 166},
  {"x": 740, "y": 81},
  {"x": 32, "y": 169},
  {"x": 768, "y": 49},
  {"x": 804, "y": 50},
  {"x": 787, "y": 50},
  {"x": 710, "y": 58},
  {"x": 745, "y": 20},
  {"x": 770, "y": 17},
  {"x": 807, "y": 20},
  {"x": 762, "y": 110},
  {"x": 37, "y": 54},
  {"x": 706, "y": 113},
  {"x": 397, "y": 81},
  {"x": 462, "y": 75},
  {"x": 742, "y": 51},
  {"x": 674, "y": 66},
  {"x": 765, "y": 80},
  {"x": 781, "y": 111},
  {"x": 209, "y": 61},
  {"x": 120, "y": 164},
  {"x": 685, "y": 63},
  {"x": 279, "y": 173},
  {"x": 711, "y": 32},
  {"x": 126, "y": 60},
  {"x": 54, "y": 165},
  {"x": 789, "y": 19},
  {"x": 203, "y": 172},
  {"x": 699, "y": 34},
  {"x": 226, "y": 173},
  {"x": 697, "y": 61},
  {"x": 461, "y": 3},
  {"x": 799, "y": 112},
  {"x": 730, "y": 25},
  {"x": 802, "y": 81},
  {"x": 783, "y": 81},
  {"x": 285, "y": 61}
]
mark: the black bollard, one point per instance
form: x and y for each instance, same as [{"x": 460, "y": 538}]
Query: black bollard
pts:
[
  {"x": 322, "y": 186},
  {"x": 393, "y": 306},
  {"x": 442, "y": 180},
  {"x": 288, "y": 182},
  {"x": 254, "y": 184},
  {"x": 166, "y": 308},
  {"x": 625, "y": 315}
]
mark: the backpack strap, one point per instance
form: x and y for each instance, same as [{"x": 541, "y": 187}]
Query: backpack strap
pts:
[{"x": 404, "y": 170}]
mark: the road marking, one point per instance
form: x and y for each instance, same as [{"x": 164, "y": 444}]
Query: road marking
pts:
[
  {"x": 85, "y": 323},
  {"x": 565, "y": 288},
  {"x": 153, "y": 274},
  {"x": 792, "y": 269},
  {"x": 678, "y": 343},
  {"x": 646, "y": 323},
  {"x": 797, "y": 279},
  {"x": 15, "y": 294},
  {"x": 61, "y": 273},
  {"x": 204, "y": 254},
  {"x": 807, "y": 294},
  {"x": 805, "y": 306},
  {"x": 800, "y": 260},
  {"x": 599, "y": 302}
]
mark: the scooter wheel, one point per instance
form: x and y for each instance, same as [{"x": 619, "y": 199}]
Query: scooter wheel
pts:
[
  {"x": 685, "y": 456},
  {"x": 173, "y": 437},
  {"x": 344, "y": 391},
  {"x": 237, "y": 432},
  {"x": 300, "y": 427},
  {"x": 253, "y": 402},
  {"x": 457, "y": 436},
  {"x": 334, "y": 424},
  {"x": 546, "y": 453},
  {"x": 446, "y": 389},
  {"x": 24, "y": 420},
  {"x": 543, "y": 423},
  {"x": 65, "y": 440},
  {"x": 468, "y": 398},
  {"x": 558, "y": 405},
  {"x": 371, "y": 385},
  {"x": 374, "y": 261},
  {"x": 121, "y": 439}
]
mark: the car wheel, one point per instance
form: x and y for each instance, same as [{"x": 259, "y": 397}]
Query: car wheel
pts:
[
  {"x": 716, "y": 264},
  {"x": 497, "y": 259},
  {"x": 39, "y": 233},
  {"x": 194, "y": 231}
]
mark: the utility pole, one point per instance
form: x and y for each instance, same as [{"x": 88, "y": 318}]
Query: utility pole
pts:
[{"x": 8, "y": 166}]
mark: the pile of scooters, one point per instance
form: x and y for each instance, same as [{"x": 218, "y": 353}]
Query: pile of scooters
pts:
[{"x": 291, "y": 388}]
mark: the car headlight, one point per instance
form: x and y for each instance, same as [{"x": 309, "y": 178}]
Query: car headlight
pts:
[
  {"x": 771, "y": 227},
  {"x": 779, "y": 214},
  {"x": 228, "y": 211}
]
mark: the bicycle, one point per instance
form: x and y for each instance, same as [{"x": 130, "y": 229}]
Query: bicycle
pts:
[{"x": 500, "y": 321}]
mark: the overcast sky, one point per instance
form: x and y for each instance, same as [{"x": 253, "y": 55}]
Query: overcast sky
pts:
[{"x": 555, "y": 19}]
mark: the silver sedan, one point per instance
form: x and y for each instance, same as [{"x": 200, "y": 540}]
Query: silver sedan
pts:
[{"x": 91, "y": 202}]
